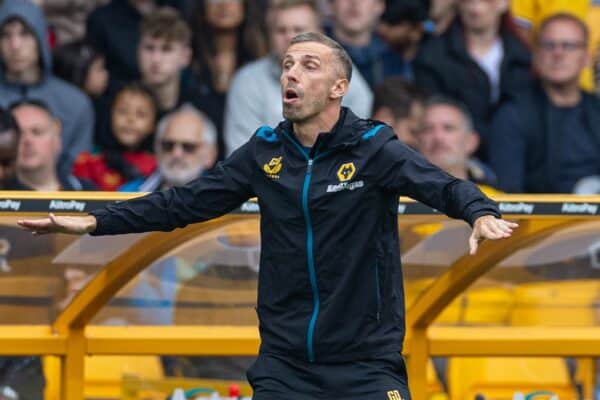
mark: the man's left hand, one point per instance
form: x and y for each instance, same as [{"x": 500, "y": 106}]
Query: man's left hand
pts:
[{"x": 489, "y": 227}]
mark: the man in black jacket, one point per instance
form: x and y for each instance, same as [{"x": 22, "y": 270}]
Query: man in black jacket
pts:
[
  {"x": 478, "y": 61},
  {"x": 330, "y": 298},
  {"x": 547, "y": 139}
]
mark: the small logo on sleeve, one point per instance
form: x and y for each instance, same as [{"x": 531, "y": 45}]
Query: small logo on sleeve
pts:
[
  {"x": 273, "y": 167},
  {"x": 394, "y": 395}
]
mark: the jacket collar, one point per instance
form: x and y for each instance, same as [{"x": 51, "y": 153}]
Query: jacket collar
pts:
[{"x": 346, "y": 132}]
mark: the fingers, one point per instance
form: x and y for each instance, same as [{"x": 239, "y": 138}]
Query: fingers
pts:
[{"x": 473, "y": 244}]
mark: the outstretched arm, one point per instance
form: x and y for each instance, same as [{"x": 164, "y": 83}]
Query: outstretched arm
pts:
[
  {"x": 221, "y": 190},
  {"x": 53, "y": 224},
  {"x": 408, "y": 173}
]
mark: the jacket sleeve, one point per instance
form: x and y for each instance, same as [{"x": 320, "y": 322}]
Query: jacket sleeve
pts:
[
  {"x": 405, "y": 172},
  {"x": 219, "y": 191}
]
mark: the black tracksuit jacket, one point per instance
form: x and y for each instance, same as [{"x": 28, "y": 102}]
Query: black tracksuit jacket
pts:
[{"x": 330, "y": 282}]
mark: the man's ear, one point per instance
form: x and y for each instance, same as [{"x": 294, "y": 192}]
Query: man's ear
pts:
[
  {"x": 339, "y": 88},
  {"x": 472, "y": 143},
  {"x": 186, "y": 58}
]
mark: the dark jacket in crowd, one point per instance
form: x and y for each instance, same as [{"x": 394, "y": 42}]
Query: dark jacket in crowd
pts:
[
  {"x": 443, "y": 65},
  {"x": 65, "y": 101},
  {"x": 536, "y": 147},
  {"x": 113, "y": 30},
  {"x": 330, "y": 284}
]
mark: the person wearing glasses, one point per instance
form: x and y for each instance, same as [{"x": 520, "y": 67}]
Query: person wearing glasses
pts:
[
  {"x": 185, "y": 147},
  {"x": 547, "y": 139}
]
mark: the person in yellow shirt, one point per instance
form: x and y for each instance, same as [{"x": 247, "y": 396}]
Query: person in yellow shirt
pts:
[{"x": 528, "y": 14}]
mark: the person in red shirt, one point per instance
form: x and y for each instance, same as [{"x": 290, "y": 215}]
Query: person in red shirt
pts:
[{"x": 133, "y": 121}]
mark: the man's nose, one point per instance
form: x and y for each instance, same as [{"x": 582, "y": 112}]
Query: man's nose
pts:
[{"x": 292, "y": 73}]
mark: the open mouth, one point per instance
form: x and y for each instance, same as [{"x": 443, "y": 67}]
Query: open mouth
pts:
[{"x": 290, "y": 96}]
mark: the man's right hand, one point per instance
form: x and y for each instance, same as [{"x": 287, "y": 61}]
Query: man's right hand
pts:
[{"x": 54, "y": 224}]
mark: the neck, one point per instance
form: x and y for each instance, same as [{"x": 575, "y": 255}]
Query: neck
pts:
[
  {"x": 29, "y": 76},
  {"x": 359, "y": 39},
  {"x": 409, "y": 52},
  {"x": 442, "y": 24},
  {"x": 567, "y": 95},
  {"x": 480, "y": 42},
  {"x": 459, "y": 171},
  {"x": 225, "y": 40},
  {"x": 44, "y": 179},
  {"x": 167, "y": 94},
  {"x": 308, "y": 131}
]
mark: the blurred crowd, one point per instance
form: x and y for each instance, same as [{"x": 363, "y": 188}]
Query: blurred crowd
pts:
[{"x": 141, "y": 95}]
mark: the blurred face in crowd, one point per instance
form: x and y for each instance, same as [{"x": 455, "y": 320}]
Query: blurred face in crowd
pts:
[
  {"x": 182, "y": 151},
  {"x": 481, "y": 15},
  {"x": 40, "y": 142},
  {"x": 311, "y": 80},
  {"x": 446, "y": 140},
  {"x": 144, "y": 7},
  {"x": 407, "y": 129},
  {"x": 96, "y": 80},
  {"x": 289, "y": 22},
  {"x": 161, "y": 61},
  {"x": 19, "y": 48},
  {"x": 357, "y": 16},
  {"x": 440, "y": 8},
  {"x": 8, "y": 153},
  {"x": 133, "y": 117},
  {"x": 224, "y": 14},
  {"x": 401, "y": 35},
  {"x": 560, "y": 54}
]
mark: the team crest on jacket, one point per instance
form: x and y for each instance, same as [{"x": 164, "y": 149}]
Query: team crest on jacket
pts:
[
  {"x": 273, "y": 167},
  {"x": 346, "y": 172}
]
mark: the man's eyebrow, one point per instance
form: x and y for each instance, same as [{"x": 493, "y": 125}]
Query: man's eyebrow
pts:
[{"x": 312, "y": 57}]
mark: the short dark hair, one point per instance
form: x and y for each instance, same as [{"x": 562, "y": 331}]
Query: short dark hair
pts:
[
  {"x": 338, "y": 51},
  {"x": 564, "y": 16},
  {"x": 398, "y": 95},
  {"x": 72, "y": 62},
  {"x": 412, "y": 11},
  {"x": 168, "y": 24},
  {"x": 443, "y": 100}
]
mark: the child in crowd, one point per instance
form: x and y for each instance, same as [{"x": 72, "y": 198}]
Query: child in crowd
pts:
[{"x": 133, "y": 120}]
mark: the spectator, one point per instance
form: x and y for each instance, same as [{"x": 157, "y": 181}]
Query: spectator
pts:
[
  {"x": 9, "y": 139},
  {"x": 354, "y": 23},
  {"x": 477, "y": 61},
  {"x": 83, "y": 66},
  {"x": 529, "y": 13},
  {"x": 26, "y": 74},
  {"x": 402, "y": 27},
  {"x": 133, "y": 120},
  {"x": 400, "y": 104},
  {"x": 441, "y": 15},
  {"x": 448, "y": 140},
  {"x": 38, "y": 151},
  {"x": 114, "y": 30},
  {"x": 163, "y": 54},
  {"x": 548, "y": 138},
  {"x": 67, "y": 18},
  {"x": 223, "y": 40},
  {"x": 255, "y": 95},
  {"x": 185, "y": 146}
]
